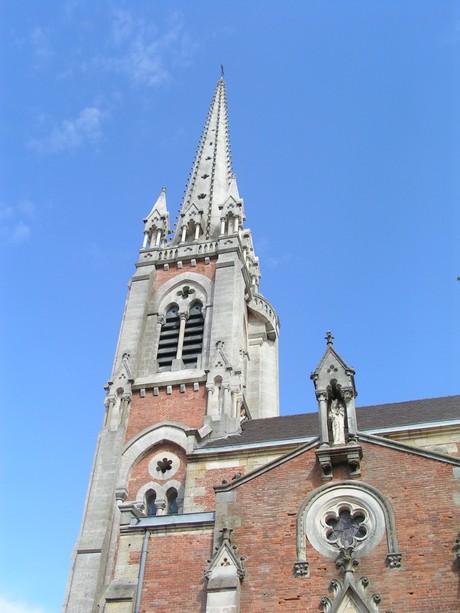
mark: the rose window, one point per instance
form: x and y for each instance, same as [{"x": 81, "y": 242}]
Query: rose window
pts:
[
  {"x": 342, "y": 517},
  {"x": 345, "y": 528}
]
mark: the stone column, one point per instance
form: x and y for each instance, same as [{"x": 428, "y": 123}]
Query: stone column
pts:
[
  {"x": 322, "y": 408},
  {"x": 351, "y": 413},
  {"x": 180, "y": 342}
]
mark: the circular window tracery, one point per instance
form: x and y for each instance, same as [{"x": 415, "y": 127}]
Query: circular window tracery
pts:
[
  {"x": 164, "y": 465},
  {"x": 345, "y": 526},
  {"x": 342, "y": 517}
]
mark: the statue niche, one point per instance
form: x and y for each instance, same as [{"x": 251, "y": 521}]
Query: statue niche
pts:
[
  {"x": 336, "y": 392},
  {"x": 337, "y": 415}
]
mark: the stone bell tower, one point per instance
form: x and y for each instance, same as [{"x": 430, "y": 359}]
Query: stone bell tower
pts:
[{"x": 197, "y": 354}]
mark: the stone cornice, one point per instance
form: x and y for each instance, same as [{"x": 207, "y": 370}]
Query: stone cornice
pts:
[
  {"x": 263, "y": 469},
  {"x": 397, "y": 446},
  {"x": 163, "y": 379},
  {"x": 262, "y": 448}
]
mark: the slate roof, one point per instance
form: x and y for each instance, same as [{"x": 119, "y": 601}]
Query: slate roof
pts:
[{"x": 370, "y": 418}]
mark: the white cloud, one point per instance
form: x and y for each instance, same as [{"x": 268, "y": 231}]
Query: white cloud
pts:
[
  {"x": 6, "y": 212},
  {"x": 40, "y": 45},
  {"x": 16, "y": 228},
  {"x": 19, "y": 234},
  {"x": 28, "y": 208},
  {"x": 72, "y": 134},
  {"x": 142, "y": 52},
  {"x": 11, "y": 606},
  {"x": 122, "y": 26}
]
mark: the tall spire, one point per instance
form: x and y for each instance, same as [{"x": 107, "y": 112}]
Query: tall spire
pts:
[{"x": 211, "y": 181}]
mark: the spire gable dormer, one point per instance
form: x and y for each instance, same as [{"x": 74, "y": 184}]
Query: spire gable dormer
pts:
[
  {"x": 231, "y": 210},
  {"x": 156, "y": 224}
]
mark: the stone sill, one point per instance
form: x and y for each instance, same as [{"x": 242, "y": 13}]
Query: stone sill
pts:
[{"x": 158, "y": 522}]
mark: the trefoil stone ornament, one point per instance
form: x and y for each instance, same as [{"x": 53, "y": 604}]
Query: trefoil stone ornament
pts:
[
  {"x": 302, "y": 569},
  {"x": 393, "y": 560}
]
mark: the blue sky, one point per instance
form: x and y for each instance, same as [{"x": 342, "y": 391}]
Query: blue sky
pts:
[{"x": 344, "y": 121}]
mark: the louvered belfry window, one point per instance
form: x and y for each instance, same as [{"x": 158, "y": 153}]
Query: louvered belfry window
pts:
[
  {"x": 169, "y": 337},
  {"x": 193, "y": 337}
]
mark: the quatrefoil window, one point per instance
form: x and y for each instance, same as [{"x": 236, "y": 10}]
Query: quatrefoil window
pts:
[{"x": 345, "y": 527}]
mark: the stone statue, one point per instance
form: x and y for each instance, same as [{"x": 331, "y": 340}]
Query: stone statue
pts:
[{"x": 337, "y": 417}]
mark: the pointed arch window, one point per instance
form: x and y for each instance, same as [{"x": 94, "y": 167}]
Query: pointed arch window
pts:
[
  {"x": 173, "y": 507},
  {"x": 181, "y": 337},
  {"x": 169, "y": 338},
  {"x": 151, "y": 504}
]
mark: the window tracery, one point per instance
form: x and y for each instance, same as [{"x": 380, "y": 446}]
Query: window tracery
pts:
[
  {"x": 346, "y": 511},
  {"x": 343, "y": 517},
  {"x": 345, "y": 526}
]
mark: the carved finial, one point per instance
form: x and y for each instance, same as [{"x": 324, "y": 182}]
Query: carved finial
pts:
[
  {"x": 163, "y": 189},
  {"x": 221, "y": 71},
  {"x": 226, "y": 535},
  {"x": 329, "y": 338},
  {"x": 346, "y": 559}
]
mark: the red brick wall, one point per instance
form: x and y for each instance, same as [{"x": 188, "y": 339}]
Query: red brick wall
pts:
[
  {"x": 187, "y": 407},
  {"x": 161, "y": 275},
  {"x": 420, "y": 491},
  {"x": 214, "y": 476},
  {"x": 174, "y": 579}
]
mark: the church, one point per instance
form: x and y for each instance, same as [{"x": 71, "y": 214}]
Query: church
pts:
[{"x": 202, "y": 498}]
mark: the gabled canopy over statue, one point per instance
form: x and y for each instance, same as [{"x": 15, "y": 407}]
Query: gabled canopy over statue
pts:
[{"x": 335, "y": 392}]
